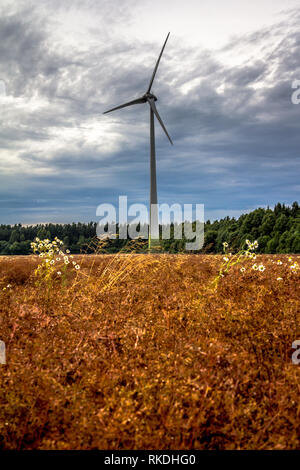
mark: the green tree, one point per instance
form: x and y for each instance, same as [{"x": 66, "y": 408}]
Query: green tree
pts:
[
  {"x": 268, "y": 223},
  {"x": 14, "y": 237}
]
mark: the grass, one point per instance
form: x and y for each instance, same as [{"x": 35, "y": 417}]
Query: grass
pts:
[{"x": 145, "y": 352}]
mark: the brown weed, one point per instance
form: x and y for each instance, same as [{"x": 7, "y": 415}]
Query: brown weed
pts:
[{"x": 142, "y": 352}]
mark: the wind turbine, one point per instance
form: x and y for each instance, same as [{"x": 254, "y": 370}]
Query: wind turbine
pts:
[{"x": 149, "y": 98}]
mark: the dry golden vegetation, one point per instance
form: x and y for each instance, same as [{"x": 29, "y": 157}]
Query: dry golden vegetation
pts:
[{"x": 145, "y": 352}]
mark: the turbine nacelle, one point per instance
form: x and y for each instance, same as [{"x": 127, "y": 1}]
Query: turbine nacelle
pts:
[{"x": 149, "y": 96}]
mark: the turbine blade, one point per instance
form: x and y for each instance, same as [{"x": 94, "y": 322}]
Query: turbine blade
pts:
[
  {"x": 156, "y": 66},
  {"x": 130, "y": 103},
  {"x": 153, "y": 107}
]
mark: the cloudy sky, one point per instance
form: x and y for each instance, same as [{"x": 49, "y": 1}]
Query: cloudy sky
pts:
[{"x": 224, "y": 90}]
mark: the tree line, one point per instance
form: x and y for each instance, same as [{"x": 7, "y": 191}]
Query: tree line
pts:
[{"x": 276, "y": 230}]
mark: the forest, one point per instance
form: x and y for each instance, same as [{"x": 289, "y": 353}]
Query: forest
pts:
[{"x": 276, "y": 230}]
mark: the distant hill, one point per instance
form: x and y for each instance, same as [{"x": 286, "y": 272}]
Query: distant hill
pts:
[{"x": 277, "y": 231}]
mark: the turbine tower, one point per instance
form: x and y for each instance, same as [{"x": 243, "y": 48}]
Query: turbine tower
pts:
[{"x": 149, "y": 98}]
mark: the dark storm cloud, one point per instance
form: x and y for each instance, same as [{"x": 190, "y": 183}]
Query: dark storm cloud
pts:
[
  {"x": 235, "y": 148},
  {"x": 26, "y": 58}
]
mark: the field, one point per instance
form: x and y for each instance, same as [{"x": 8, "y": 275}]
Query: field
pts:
[{"x": 146, "y": 352}]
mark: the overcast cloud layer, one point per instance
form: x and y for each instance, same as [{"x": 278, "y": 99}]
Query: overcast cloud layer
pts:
[{"x": 228, "y": 110}]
